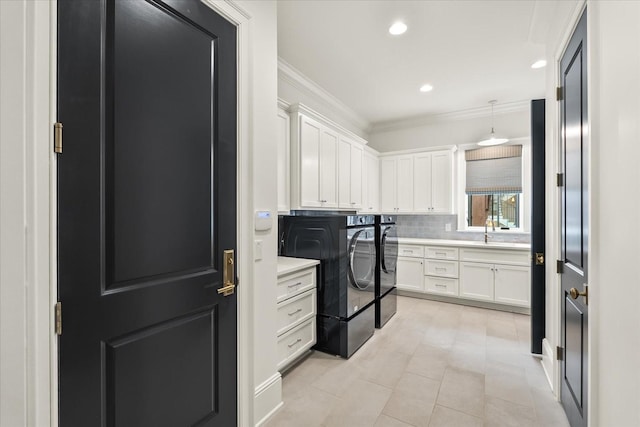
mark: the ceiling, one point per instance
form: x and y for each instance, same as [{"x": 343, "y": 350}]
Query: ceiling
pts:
[{"x": 470, "y": 51}]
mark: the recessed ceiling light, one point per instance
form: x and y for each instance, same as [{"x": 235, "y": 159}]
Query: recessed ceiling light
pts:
[
  {"x": 426, "y": 88},
  {"x": 539, "y": 64},
  {"x": 398, "y": 28}
]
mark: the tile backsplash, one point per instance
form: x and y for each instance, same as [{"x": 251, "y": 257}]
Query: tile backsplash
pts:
[{"x": 433, "y": 227}]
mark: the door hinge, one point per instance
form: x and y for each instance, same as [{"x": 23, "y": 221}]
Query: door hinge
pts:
[
  {"x": 559, "y": 353},
  {"x": 559, "y": 93},
  {"x": 58, "y": 318},
  {"x": 560, "y": 179},
  {"x": 559, "y": 267},
  {"x": 57, "y": 137}
]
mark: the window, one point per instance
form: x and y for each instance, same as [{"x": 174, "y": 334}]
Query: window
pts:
[
  {"x": 493, "y": 187},
  {"x": 499, "y": 210}
]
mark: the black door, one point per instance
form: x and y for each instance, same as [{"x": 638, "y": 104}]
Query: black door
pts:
[
  {"x": 537, "y": 225},
  {"x": 575, "y": 226},
  {"x": 146, "y": 207}
]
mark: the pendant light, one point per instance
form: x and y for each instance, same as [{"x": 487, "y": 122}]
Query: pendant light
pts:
[{"x": 492, "y": 139}]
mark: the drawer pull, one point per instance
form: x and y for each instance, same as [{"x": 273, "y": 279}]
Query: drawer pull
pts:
[
  {"x": 295, "y": 312},
  {"x": 441, "y": 253},
  {"x": 408, "y": 251},
  {"x": 294, "y": 343},
  {"x": 294, "y": 285},
  {"x": 441, "y": 268},
  {"x": 438, "y": 285}
]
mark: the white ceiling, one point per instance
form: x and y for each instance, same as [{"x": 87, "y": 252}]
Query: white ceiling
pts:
[{"x": 470, "y": 51}]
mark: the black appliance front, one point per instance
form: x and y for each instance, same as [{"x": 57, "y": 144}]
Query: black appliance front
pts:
[
  {"x": 346, "y": 248},
  {"x": 387, "y": 250}
]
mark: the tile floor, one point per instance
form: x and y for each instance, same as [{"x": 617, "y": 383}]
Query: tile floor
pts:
[{"x": 434, "y": 364}]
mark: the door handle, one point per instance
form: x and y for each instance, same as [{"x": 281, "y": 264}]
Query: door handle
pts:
[
  {"x": 576, "y": 293},
  {"x": 539, "y": 258},
  {"x": 228, "y": 273}
]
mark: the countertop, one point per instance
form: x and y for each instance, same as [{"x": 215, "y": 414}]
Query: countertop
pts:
[
  {"x": 466, "y": 243},
  {"x": 288, "y": 265}
]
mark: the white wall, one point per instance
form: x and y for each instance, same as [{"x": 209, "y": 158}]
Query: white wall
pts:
[
  {"x": 450, "y": 131},
  {"x": 263, "y": 80},
  {"x": 614, "y": 33}
]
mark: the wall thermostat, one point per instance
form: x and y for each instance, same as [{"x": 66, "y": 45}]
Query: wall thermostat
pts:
[{"x": 263, "y": 220}]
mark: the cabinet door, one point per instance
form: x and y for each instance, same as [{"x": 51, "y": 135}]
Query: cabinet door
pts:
[
  {"x": 374, "y": 184},
  {"x": 356, "y": 176},
  {"x": 328, "y": 168},
  {"x": 344, "y": 173},
  {"x": 310, "y": 135},
  {"x": 283, "y": 160},
  {"x": 512, "y": 285},
  {"x": 422, "y": 183},
  {"x": 366, "y": 166},
  {"x": 371, "y": 190},
  {"x": 409, "y": 274},
  {"x": 441, "y": 181},
  {"x": 404, "y": 184},
  {"x": 388, "y": 185},
  {"x": 476, "y": 281}
]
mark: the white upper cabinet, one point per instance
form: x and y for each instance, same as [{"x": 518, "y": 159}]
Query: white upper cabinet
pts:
[
  {"x": 370, "y": 183},
  {"x": 442, "y": 181},
  {"x": 308, "y": 164},
  {"x": 417, "y": 183},
  {"x": 405, "y": 184},
  {"x": 344, "y": 173},
  {"x": 356, "y": 175},
  {"x": 328, "y": 169},
  {"x": 396, "y": 184},
  {"x": 433, "y": 182},
  {"x": 284, "y": 132},
  {"x": 326, "y": 163},
  {"x": 388, "y": 179}
]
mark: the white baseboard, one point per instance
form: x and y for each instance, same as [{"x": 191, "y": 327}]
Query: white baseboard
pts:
[
  {"x": 267, "y": 399},
  {"x": 548, "y": 363}
]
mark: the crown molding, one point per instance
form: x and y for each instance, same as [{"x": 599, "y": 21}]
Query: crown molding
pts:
[
  {"x": 291, "y": 75},
  {"x": 300, "y": 108},
  {"x": 470, "y": 113},
  {"x": 282, "y": 104}
]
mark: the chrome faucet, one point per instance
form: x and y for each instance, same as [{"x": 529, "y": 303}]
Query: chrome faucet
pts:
[
  {"x": 486, "y": 234},
  {"x": 486, "y": 223}
]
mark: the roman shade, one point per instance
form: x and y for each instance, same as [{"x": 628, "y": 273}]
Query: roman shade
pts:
[{"x": 494, "y": 170}]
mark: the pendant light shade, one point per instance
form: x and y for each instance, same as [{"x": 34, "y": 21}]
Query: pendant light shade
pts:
[{"x": 492, "y": 138}]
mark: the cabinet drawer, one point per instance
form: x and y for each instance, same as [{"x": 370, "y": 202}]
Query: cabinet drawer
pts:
[
  {"x": 441, "y": 285},
  {"x": 295, "y": 283},
  {"x": 413, "y": 251},
  {"x": 441, "y": 268},
  {"x": 295, "y": 342},
  {"x": 500, "y": 256},
  {"x": 296, "y": 310},
  {"x": 438, "y": 252}
]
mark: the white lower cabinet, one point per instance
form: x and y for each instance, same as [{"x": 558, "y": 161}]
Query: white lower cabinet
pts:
[
  {"x": 296, "y": 314},
  {"x": 512, "y": 285},
  {"x": 476, "y": 281},
  {"x": 410, "y": 275},
  {"x": 472, "y": 273}
]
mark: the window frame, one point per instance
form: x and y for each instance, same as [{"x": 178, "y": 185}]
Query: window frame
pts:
[{"x": 462, "y": 205}]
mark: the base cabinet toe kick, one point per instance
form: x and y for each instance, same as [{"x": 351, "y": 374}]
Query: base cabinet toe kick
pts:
[{"x": 493, "y": 275}]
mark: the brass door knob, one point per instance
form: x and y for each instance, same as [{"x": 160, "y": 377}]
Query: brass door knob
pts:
[{"x": 575, "y": 293}]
